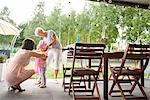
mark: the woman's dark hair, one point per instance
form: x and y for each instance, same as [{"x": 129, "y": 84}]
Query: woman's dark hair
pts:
[{"x": 28, "y": 44}]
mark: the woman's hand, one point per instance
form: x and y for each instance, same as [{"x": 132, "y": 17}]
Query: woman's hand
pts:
[
  {"x": 44, "y": 58},
  {"x": 46, "y": 48}
]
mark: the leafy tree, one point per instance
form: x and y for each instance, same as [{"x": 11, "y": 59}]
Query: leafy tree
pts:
[
  {"x": 97, "y": 21},
  {"x": 37, "y": 21},
  {"x": 21, "y": 37},
  {"x": 5, "y": 15}
]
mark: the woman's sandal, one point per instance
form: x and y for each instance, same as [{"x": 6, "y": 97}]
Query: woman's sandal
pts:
[
  {"x": 12, "y": 88},
  {"x": 15, "y": 87},
  {"x": 19, "y": 88}
]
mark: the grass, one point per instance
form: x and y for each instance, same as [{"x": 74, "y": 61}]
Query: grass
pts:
[{"x": 49, "y": 72}]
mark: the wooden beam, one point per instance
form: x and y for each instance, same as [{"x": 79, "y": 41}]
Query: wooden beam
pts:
[{"x": 133, "y": 3}]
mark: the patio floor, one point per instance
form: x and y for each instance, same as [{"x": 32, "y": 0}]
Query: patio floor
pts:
[{"x": 52, "y": 92}]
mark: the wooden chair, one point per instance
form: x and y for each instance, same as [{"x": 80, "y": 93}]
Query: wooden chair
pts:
[
  {"x": 139, "y": 53},
  {"x": 111, "y": 75},
  {"x": 67, "y": 58},
  {"x": 67, "y": 65},
  {"x": 93, "y": 53}
]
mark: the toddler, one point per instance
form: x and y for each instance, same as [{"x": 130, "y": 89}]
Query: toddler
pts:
[{"x": 40, "y": 65}]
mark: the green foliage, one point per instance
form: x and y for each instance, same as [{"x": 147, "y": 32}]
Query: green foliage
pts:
[
  {"x": 5, "y": 15},
  {"x": 37, "y": 21},
  {"x": 2, "y": 58},
  {"x": 5, "y": 40},
  {"x": 96, "y": 21}
]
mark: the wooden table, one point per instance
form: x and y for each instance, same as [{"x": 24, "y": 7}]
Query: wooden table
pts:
[{"x": 107, "y": 56}]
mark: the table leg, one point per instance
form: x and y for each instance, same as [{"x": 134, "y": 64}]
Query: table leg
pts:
[
  {"x": 89, "y": 83},
  {"x": 142, "y": 76},
  {"x": 106, "y": 78}
]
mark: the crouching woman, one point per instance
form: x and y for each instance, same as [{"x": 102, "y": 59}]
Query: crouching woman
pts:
[{"x": 17, "y": 71}]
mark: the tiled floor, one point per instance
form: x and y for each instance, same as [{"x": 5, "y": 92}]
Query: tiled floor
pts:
[{"x": 52, "y": 92}]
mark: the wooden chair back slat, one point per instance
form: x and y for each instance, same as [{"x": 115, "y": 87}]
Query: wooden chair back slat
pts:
[{"x": 88, "y": 51}]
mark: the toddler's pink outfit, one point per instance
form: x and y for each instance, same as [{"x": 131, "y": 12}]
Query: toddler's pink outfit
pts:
[{"x": 38, "y": 61}]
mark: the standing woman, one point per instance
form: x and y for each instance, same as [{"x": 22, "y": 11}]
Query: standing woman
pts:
[
  {"x": 54, "y": 48},
  {"x": 16, "y": 72}
]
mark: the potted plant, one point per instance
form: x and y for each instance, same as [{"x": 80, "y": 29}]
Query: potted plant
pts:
[
  {"x": 2, "y": 58},
  {"x": 2, "y": 63}
]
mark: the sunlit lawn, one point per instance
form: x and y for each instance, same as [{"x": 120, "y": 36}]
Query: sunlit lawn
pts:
[{"x": 49, "y": 72}]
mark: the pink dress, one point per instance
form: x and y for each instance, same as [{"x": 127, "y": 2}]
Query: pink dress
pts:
[
  {"x": 37, "y": 67},
  {"x": 16, "y": 72},
  {"x": 38, "y": 61}
]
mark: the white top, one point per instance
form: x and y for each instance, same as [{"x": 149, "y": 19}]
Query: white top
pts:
[{"x": 56, "y": 45}]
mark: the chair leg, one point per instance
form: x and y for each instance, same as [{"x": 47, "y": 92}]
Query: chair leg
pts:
[
  {"x": 142, "y": 90},
  {"x": 112, "y": 87},
  {"x": 129, "y": 79},
  {"x": 96, "y": 86},
  {"x": 84, "y": 82},
  {"x": 100, "y": 74},
  {"x": 64, "y": 73},
  {"x": 122, "y": 93},
  {"x": 95, "y": 79},
  {"x": 135, "y": 83},
  {"x": 73, "y": 91},
  {"x": 71, "y": 81},
  {"x": 133, "y": 87},
  {"x": 110, "y": 77}
]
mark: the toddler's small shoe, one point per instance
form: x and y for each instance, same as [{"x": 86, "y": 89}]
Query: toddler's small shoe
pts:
[
  {"x": 38, "y": 83},
  {"x": 42, "y": 86},
  {"x": 56, "y": 81}
]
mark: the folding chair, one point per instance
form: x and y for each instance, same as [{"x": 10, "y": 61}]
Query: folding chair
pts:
[
  {"x": 139, "y": 53},
  {"x": 67, "y": 58},
  {"x": 93, "y": 54},
  {"x": 111, "y": 75},
  {"x": 66, "y": 63}
]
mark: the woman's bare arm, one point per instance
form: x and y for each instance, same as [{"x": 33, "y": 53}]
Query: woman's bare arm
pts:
[
  {"x": 37, "y": 54},
  {"x": 52, "y": 42}
]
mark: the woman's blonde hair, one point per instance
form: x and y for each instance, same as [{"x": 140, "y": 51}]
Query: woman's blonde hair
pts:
[{"x": 36, "y": 32}]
